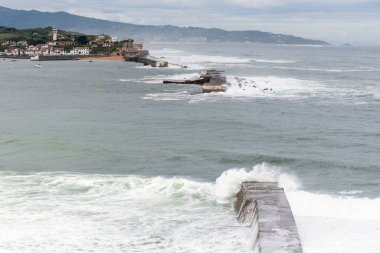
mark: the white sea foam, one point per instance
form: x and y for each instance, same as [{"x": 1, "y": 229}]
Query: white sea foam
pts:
[
  {"x": 180, "y": 96},
  {"x": 279, "y": 61},
  {"x": 167, "y": 96},
  {"x": 130, "y": 80},
  {"x": 326, "y": 223},
  {"x": 50, "y": 212},
  {"x": 55, "y": 212},
  {"x": 180, "y": 77},
  {"x": 333, "y": 224},
  {"x": 266, "y": 87},
  {"x": 195, "y": 61},
  {"x": 350, "y": 192},
  {"x": 246, "y": 87},
  {"x": 332, "y": 70},
  {"x": 175, "y": 77},
  {"x": 166, "y": 51},
  {"x": 158, "y": 79},
  {"x": 270, "y": 86},
  {"x": 229, "y": 183}
]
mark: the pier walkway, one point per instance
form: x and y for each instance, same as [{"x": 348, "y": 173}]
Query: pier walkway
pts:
[
  {"x": 148, "y": 61},
  {"x": 265, "y": 208}
]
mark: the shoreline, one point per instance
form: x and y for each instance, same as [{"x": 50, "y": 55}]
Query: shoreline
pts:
[{"x": 102, "y": 58}]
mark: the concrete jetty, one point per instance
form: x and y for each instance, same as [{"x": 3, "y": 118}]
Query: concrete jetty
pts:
[
  {"x": 210, "y": 80},
  {"x": 149, "y": 61},
  {"x": 217, "y": 81},
  {"x": 265, "y": 208}
]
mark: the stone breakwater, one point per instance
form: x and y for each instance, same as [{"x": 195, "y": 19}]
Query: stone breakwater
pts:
[{"x": 265, "y": 208}]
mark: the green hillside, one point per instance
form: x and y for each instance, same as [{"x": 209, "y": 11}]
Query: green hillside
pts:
[
  {"x": 66, "y": 21},
  {"x": 32, "y": 36}
]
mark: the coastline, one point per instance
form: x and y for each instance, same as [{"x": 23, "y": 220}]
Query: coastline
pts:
[{"x": 102, "y": 58}]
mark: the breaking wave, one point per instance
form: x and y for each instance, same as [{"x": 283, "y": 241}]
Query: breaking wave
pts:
[
  {"x": 196, "y": 61},
  {"x": 229, "y": 183},
  {"x": 271, "y": 86},
  {"x": 80, "y": 212},
  {"x": 46, "y": 212},
  {"x": 332, "y": 70},
  {"x": 326, "y": 223}
]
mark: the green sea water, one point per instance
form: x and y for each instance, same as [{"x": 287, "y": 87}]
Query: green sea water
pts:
[{"x": 106, "y": 148}]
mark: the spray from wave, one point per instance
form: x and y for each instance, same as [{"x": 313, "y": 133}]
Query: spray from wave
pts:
[
  {"x": 326, "y": 223},
  {"x": 271, "y": 86},
  {"x": 43, "y": 211},
  {"x": 197, "y": 61},
  {"x": 229, "y": 183}
]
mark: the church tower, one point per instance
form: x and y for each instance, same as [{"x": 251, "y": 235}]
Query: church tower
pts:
[{"x": 55, "y": 34}]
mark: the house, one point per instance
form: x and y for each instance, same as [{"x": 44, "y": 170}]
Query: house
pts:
[
  {"x": 107, "y": 44},
  {"x": 65, "y": 43},
  {"x": 100, "y": 37},
  {"x": 80, "y": 51},
  {"x": 22, "y": 43}
]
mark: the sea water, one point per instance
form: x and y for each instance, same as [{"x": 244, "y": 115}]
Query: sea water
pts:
[{"x": 103, "y": 157}]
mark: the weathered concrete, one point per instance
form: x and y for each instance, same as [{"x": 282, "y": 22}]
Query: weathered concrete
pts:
[
  {"x": 266, "y": 209},
  {"x": 21, "y": 57},
  {"x": 199, "y": 81},
  {"x": 55, "y": 57},
  {"x": 217, "y": 77},
  {"x": 148, "y": 61},
  {"x": 212, "y": 88},
  {"x": 217, "y": 81}
]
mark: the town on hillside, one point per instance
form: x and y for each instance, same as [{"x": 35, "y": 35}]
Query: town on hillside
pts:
[{"x": 53, "y": 42}]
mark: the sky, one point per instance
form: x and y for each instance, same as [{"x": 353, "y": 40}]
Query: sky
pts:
[{"x": 337, "y": 21}]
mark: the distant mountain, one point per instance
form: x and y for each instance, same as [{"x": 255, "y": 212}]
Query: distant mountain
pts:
[{"x": 30, "y": 19}]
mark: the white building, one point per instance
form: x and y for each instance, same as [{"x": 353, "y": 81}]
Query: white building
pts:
[
  {"x": 57, "y": 51},
  {"x": 22, "y": 43},
  {"x": 101, "y": 37},
  {"x": 114, "y": 39},
  {"x": 80, "y": 51}
]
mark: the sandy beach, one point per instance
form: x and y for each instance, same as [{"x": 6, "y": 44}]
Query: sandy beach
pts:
[{"x": 103, "y": 58}]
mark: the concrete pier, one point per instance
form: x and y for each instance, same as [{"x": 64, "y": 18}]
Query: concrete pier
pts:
[
  {"x": 217, "y": 81},
  {"x": 265, "y": 208},
  {"x": 148, "y": 61},
  {"x": 210, "y": 80}
]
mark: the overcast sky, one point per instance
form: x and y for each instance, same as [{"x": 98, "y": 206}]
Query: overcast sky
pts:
[{"x": 336, "y": 21}]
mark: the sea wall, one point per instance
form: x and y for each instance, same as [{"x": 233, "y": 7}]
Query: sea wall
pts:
[{"x": 265, "y": 208}]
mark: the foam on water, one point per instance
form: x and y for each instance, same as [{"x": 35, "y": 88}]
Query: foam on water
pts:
[
  {"x": 229, "y": 183},
  {"x": 244, "y": 87},
  {"x": 55, "y": 212},
  {"x": 51, "y": 212},
  {"x": 332, "y": 70},
  {"x": 271, "y": 86},
  {"x": 158, "y": 79},
  {"x": 336, "y": 223},
  {"x": 196, "y": 61},
  {"x": 279, "y": 61},
  {"x": 326, "y": 223},
  {"x": 181, "y": 77},
  {"x": 259, "y": 86}
]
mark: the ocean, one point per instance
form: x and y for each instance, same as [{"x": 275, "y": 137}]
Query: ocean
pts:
[{"x": 102, "y": 157}]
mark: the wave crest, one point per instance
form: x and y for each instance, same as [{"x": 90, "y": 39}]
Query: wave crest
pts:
[{"x": 229, "y": 183}]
